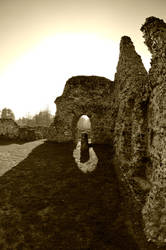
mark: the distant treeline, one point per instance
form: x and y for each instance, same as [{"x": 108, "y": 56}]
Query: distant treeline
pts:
[{"x": 43, "y": 118}]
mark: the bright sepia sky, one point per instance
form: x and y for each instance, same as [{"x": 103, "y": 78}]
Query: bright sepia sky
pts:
[{"x": 45, "y": 42}]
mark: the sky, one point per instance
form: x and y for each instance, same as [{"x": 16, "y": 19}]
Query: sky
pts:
[{"x": 45, "y": 42}]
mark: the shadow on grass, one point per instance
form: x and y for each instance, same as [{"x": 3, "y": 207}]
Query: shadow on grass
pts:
[
  {"x": 48, "y": 203},
  {"x": 5, "y": 141}
]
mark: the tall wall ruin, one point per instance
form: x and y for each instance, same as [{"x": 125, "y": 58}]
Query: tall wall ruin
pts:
[
  {"x": 130, "y": 114},
  {"x": 154, "y": 211},
  {"x": 131, "y": 91}
]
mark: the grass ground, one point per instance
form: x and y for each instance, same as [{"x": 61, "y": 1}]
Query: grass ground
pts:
[
  {"x": 13, "y": 152},
  {"x": 48, "y": 203}
]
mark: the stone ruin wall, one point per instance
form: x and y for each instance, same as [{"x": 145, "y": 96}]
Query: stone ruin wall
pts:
[
  {"x": 83, "y": 95},
  {"x": 132, "y": 116},
  {"x": 130, "y": 131},
  {"x": 9, "y": 129},
  {"x": 154, "y": 211},
  {"x": 140, "y": 129},
  {"x": 131, "y": 91}
]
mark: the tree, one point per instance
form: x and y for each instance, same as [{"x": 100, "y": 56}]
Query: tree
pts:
[{"x": 7, "y": 114}]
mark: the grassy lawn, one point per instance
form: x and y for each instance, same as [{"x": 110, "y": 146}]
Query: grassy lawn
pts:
[{"x": 48, "y": 203}]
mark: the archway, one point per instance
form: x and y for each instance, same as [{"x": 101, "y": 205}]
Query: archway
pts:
[
  {"x": 84, "y": 154},
  {"x": 83, "y": 126}
]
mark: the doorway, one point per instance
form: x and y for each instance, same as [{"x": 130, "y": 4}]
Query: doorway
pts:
[{"x": 84, "y": 126}]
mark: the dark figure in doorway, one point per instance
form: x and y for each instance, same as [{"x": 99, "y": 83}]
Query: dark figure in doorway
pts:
[{"x": 84, "y": 148}]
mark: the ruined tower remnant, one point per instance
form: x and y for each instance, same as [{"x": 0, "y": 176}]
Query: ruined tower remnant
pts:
[
  {"x": 154, "y": 212},
  {"x": 88, "y": 95},
  {"x": 131, "y": 91}
]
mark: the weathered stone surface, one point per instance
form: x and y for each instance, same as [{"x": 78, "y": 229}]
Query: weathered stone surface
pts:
[
  {"x": 83, "y": 95},
  {"x": 9, "y": 129},
  {"x": 41, "y": 131},
  {"x": 130, "y": 131},
  {"x": 154, "y": 31},
  {"x": 131, "y": 91},
  {"x": 28, "y": 134}
]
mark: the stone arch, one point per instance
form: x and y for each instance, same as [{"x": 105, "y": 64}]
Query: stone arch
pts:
[
  {"x": 75, "y": 122},
  {"x": 88, "y": 95},
  {"x": 83, "y": 126}
]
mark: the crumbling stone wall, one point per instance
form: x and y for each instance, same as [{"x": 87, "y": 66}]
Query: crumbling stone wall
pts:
[
  {"x": 29, "y": 134},
  {"x": 140, "y": 128},
  {"x": 130, "y": 132},
  {"x": 33, "y": 133},
  {"x": 83, "y": 95},
  {"x": 131, "y": 91},
  {"x": 9, "y": 129},
  {"x": 154, "y": 211},
  {"x": 42, "y": 131}
]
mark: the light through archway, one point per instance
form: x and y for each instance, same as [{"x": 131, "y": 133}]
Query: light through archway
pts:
[{"x": 84, "y": 126}]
